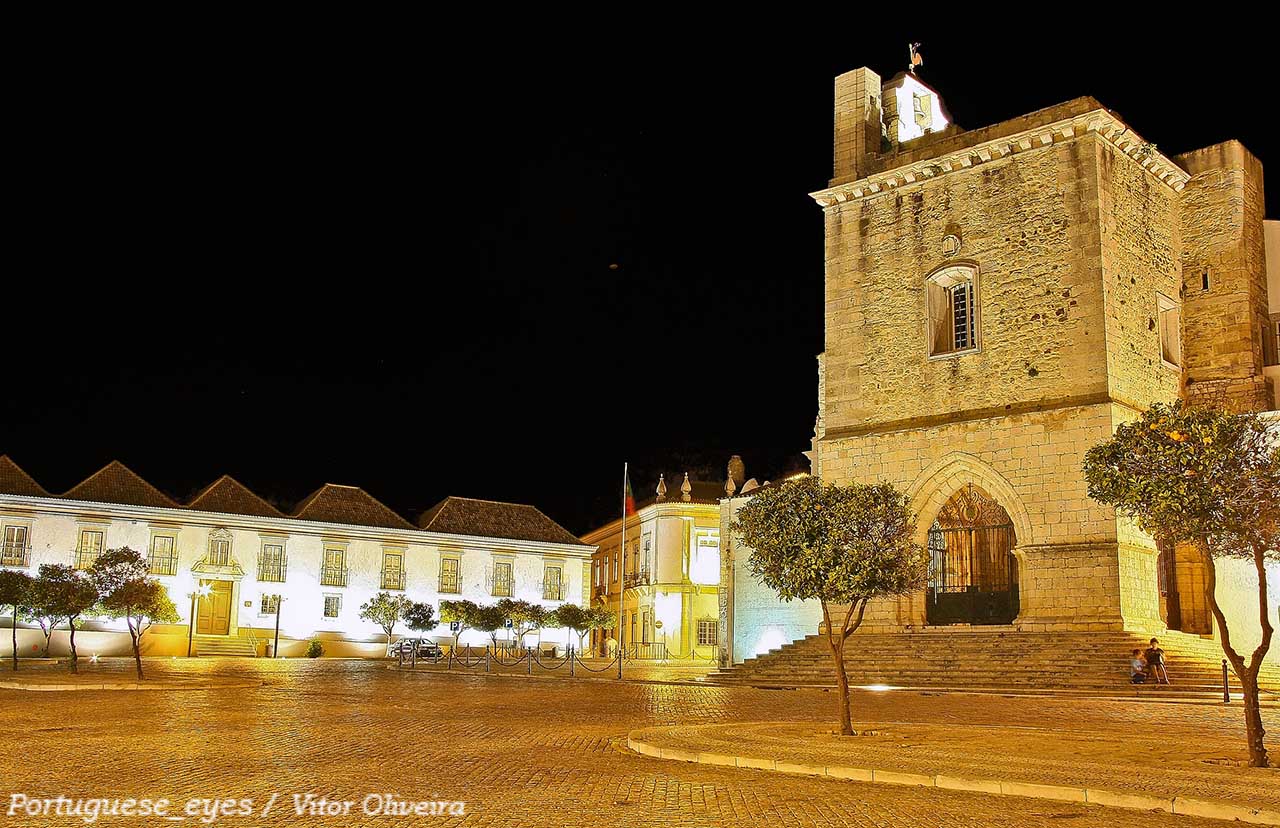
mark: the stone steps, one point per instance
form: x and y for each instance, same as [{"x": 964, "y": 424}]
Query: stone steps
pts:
[
  {"x": 224, "y": 646},
  {"x": 997, "y": 657}
]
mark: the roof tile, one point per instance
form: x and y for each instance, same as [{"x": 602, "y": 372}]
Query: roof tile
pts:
[
  {"x": 117, "y": 483},
  {"x": 332, "y": 503},
  {"x": 230, "y": 496},
  {"x": 492, "y": 519},
  {"x": 13, "y": 480}
]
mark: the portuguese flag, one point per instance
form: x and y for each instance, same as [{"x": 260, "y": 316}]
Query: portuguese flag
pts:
[{"x": 628, "y": 499}]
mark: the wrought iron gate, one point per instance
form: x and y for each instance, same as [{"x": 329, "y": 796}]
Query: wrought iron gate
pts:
[{"x": 973, "y": 576}]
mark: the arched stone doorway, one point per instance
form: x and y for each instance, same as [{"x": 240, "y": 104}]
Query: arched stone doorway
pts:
[{"x": 973, "y": 574}]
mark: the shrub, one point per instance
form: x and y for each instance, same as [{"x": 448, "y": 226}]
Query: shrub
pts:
[{"x": 315, "y": 649}]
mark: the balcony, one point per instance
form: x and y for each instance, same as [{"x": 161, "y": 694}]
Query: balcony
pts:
[
  {"x": 393, "y": 579},
  {"x": 273, "y": 571},
  {"x": 15, "y": 554},
  {"x": 333, "y": 575},
  {"x": 162, "y": 563},
  {"x": 85, "y": 558},
  {"x": 637, "y": 579}
]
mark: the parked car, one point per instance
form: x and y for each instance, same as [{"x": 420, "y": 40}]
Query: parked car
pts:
[{"x": 405, "y": 646}]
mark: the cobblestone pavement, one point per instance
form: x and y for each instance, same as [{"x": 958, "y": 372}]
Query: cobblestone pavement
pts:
[{"x": 518, "y": 752}]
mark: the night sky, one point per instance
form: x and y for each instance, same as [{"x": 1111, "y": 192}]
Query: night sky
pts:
[{"x": 494, "y": 275}]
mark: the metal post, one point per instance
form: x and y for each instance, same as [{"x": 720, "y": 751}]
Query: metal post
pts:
[
  {"x": 622, "y": 561},
  {"x": 528, "y": 662},
  {"x": 571, "y": 658},
  {"x": 486, "y": 659},
  {"x": 1226, "y": 690},
  {"x": 275, "y": 648},
  {"x": 191, "y": 624}
]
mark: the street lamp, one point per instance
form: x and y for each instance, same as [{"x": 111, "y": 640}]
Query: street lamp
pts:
[{"x": 200, "y": 592}]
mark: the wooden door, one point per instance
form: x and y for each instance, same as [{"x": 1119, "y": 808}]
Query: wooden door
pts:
[{"x": 214, "y": 615}]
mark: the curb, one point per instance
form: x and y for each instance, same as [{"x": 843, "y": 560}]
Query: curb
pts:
[
  {"x": 125, "y": 685},
  {"x": 1002, "y": 787}
]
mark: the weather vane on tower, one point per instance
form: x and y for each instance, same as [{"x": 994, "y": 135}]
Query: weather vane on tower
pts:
[{"x": 916, "y": 60}]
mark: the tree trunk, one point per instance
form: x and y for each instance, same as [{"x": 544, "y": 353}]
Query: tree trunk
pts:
[
  {"x": 842, "y": 682},
  {"x": 15, "y": 638},
  {"x": 137, "y": 652},
  {"x": 1248, "y": 674},
  {"x": 72, "y": 625}
]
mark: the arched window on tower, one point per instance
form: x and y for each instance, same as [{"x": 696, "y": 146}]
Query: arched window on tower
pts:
[{"x": 952, "y": 296}]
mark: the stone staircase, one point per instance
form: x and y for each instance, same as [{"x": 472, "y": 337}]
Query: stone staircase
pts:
[
  {"x": 220, "y": 646},
  {"x": 992, "y": 658}
]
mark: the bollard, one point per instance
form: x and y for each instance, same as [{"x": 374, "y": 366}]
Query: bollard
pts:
[
  {"x": 486, "y": 659},
  {"x": 571, "y": 657},
  {"x": 1226, "y": 689},
  {"x": 528, "y": 662}
]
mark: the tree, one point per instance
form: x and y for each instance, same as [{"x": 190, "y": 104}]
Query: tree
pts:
[
  {"x": 420, "y": 617},
  {"x": 840, "y": 545},
  {"x": 580, "y": 620},
  {"x": 64, "y": 594},
  {"x": 461, "y": 612},
  {"x": 1208, "y": 479},
  {"x": 15, "y": 591},
  {"x": 489, "y": 618},
  {"x": 385, "y": 610},
  {"x": 525, "y": 617},
  {"x": 39, "y": 610},
  {"x": 125, "y": 591}
]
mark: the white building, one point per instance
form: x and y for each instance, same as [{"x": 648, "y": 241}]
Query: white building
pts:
[{"x": 338, "y": 548}]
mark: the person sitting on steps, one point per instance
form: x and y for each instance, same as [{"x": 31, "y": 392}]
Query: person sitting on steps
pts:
[
  {"x": 1155, "y": 662},
  {"x": 1137, "y": 668}
]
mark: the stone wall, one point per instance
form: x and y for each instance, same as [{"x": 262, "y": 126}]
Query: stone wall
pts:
[
  {"x": 1030, "y": 225},
  {"x": 1222, "y": 236}
]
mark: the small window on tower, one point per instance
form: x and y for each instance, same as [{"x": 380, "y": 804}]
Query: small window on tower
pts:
[
  {"x": 1170, "y": 330},
  {"x": 952, "y": 295},
  {"x": 1204, "y": 279}
]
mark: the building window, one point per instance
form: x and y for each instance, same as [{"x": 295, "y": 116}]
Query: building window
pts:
[
  {"x": 1271, "y": 343},
  {"x": 392, "y": 570},
  {"x": 163, "y": 559},
  {"x": 332, "y": 606},
  {"x": 16, "y": 549},
  {"x": 708, "y": 633},
  {"x": 633, "y": 627},
  {"x": 88, "y": 548},
  {"x": 272, "y": 566},
  {"x": 552, "y": 583},
  {"x": 501, "y": 579},
  {"x": 1170, "y": 333},
  {"x": 644, "y": 627},
  {"x": 952, "y": 295},
  {"x": 449, "y": 576},
  {"x": 220, "y": 548},
  {"x": 334, "y": 570},
  {"x": 270, "y": 605}
]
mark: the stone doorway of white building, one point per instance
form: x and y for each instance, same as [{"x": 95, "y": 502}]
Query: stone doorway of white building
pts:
[
  {"x": 973, "y": 574},
  {"x": 213, "y": 614}
]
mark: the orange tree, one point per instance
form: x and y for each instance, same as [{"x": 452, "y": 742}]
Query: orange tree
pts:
[
  {"x": 1209, "y": 479},
  {"x": 125, "y": 591},
  {"x": 839, "y": 545}
]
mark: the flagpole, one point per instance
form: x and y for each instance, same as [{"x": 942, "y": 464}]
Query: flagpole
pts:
[{"x": 622, "y": 560}]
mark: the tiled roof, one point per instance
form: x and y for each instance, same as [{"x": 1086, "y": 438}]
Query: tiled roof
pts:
[
  {"x": 116, "y": 483},
  {"x": 13, "y": 480},
  {"x": 228, "y": 495},
  {"x": 332, "y": 503},
  {"x": 491, "y": 519}
]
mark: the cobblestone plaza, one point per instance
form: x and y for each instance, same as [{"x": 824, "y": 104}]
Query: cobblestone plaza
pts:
[{"x": 523, "y": 751}]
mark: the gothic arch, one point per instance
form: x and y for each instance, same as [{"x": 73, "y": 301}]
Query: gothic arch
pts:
[{"x": 937, "y": 483}]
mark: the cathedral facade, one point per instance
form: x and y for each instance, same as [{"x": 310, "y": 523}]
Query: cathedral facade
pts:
[{"x": 997, "y": 301}]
